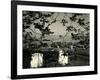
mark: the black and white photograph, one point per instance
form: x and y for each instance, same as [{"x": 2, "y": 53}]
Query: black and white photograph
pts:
[{"x": 55, "y": 39}]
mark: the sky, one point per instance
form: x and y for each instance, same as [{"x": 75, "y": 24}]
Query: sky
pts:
[{"x": 58, "y": 28}]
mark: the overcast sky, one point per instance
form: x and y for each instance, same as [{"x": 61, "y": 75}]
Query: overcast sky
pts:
[{"x": 58, "y": 28}]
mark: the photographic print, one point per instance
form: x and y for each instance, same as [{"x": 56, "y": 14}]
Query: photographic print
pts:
[{"x": 53, "y": 39}]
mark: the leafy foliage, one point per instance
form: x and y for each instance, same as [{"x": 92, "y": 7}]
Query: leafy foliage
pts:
[{"x": 41, "y": 22}]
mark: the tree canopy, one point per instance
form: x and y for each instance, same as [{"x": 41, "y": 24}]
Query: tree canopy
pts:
[{"x": 76, "y": 24}]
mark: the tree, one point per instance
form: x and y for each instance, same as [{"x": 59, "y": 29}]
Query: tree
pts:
[
  {"x": 39, "y": 20},
  {"x": 81, "y": 32},
  {"x": 42, "y": 21}
]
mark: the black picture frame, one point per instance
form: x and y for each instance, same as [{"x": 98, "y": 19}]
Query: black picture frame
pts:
[{"x": 14, "y": 37}]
